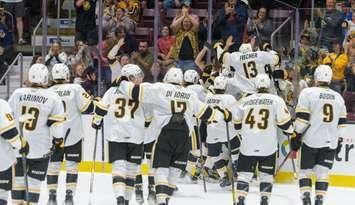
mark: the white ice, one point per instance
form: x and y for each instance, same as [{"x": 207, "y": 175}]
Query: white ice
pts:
[{"x": 193, "y": 194}]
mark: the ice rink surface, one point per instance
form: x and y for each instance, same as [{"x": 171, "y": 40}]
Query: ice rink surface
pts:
[{"x": 193, "y": 194}]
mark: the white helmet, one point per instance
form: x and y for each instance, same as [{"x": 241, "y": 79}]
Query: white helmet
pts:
[
  {"x": 60, "y": 71},
  {"x": 131, "y": 70},
  {"x": 38, "y": 73},
  {"x": 227, "y": 72},
  {"x": 262, "y": 81},
  {"x": 323, "y": 73},
  {"x": 191, "y": 76},
  {"x": 245, "y": 48},
  {"x": 174, "y": 75},
  {"x": 220, "y": 83}
]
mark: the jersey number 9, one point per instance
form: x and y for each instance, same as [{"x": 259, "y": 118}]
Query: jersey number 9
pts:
[
  {"x": 328, "y": 114},
  {"x": 30, "y": 124}
]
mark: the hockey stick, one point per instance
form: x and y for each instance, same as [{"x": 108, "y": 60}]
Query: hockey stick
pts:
[
  {"x": 200, "y": 145},
  {"x": 231, "y": 164},
  {"x": 293, "y": 160},
  {"x": 93, "y": 168},
  {"x": 103, "y": 148},
  {"x": 22, "y": 121}
]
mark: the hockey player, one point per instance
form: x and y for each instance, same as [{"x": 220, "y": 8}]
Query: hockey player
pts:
[
  {"x": 76, "y": 102},
  {"x": 257, "y": 117},
  {"x": 9, "y": 139},
  {"x": 125, "y": 118},
  {"x": 191, "y": 80},
  {"x": 247, "y": 64},
  {"x": 45, "y": 128},
  {"x": 216, "y": 131},
  {"x": 323, "y": 111},
  {"x": 174, "y": 107}
]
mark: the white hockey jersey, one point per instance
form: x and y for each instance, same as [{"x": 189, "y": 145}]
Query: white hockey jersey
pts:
[
  {"x": 325, "y": 112},
  {"x": 248, "y": 65},
  {"x": 125, "y": 117},
  {"x": 9, "y": 137},
  {"x": 258, "y": 116},
  {"x": 75, "y": 102},
  {"x": 216, "y": 130},
  {"x": 167, "y": 99},
  {"x": 199, "y": 90},
  {"x": 47, "y": 111}
]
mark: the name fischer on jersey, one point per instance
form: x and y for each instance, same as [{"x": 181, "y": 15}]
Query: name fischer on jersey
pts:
[
  {"x": 33, "y": 98},
  {"x": 248, "y": 55},
  {"x": 258, "y": 102}
]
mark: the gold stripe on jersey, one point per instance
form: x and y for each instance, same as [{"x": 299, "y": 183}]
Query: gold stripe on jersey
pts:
[
  {"x": 130, "y": 90},
  {"x": 193, "y": 140},
  {"x": 302, "y": 109},
  {"x": 101, "y": 109},
  {"x": 56, "y": 118},
  {"x": 148, "y": 118},
  {"x": 13, "y": 139},
  {"x": 7, "y": 127},
  {"x": 141, "y": 92},
  {"x": 202, "y": 111},
  {"x": 85, "y": 106},
  {"x": 284, "y": 121},
  {"x": 212, "y": 115},
  {"x": 299, "y": 120}
]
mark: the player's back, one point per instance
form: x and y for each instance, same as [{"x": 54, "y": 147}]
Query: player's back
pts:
[
  {"x": 46, "y": 109},
  {"x": 199, "y": 90},
  {"x": 248, "y": 65},
  {"x": 75, "y": 101},
  {"x": 325, "y": 107},
  {"x": 125, "y": 117},
  {"x": 220, "y": 100},
  {"x": 260, "y": 114}
]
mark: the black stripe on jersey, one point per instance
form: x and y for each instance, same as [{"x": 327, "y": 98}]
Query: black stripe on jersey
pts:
[
  {"x": 9, "y": 134},
  {"x": 286, "y": 125},
  {"x": 278, "y": 74},
  {"x": 89, "y": 109},
  {"x": 341, "y": 121},
  {"x": 51, "y": 122},
  {"x": 99, "y": 111},
  {"x": 207, "y": 114},
  {"x": 135, "y": 93},
  {"x": 303, "y": 115},
  {"x": 238, "y": 126},
  {"x": 146, "y": 124}
]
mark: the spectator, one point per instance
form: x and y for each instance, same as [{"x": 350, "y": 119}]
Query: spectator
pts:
[
  {"x": 6, "y": 45},
  {"x": 17, "y": 8},
  {"x": 121, "y": 20},
  {"x": 338, "y": 60},
  {"x": 165, "y": 43},
  {"x": 78, "y": 71},
  {"x": 117, "y": 65},
  {"x": 144, "y": 59},
  {"x": 169, "y": 4},
  {"x": 261, "y": 25},
  {"x": 185, "y": 48},
  {"x": 349, "y": 27},
  {"x": 81, "y": 55},
  {"x": 37, "y": 59},
  {"x": 133, "y": 8},
  {"x": 329, "y": 25},
  {"x": 85, "y": 23},
  {"x": 109, "y": 11},
  {"x": 231, "y": 21},
  {"x": 55, "y": 55},
  {"x": 125, "y": 43},
  {"x": 90, "y": 84}
]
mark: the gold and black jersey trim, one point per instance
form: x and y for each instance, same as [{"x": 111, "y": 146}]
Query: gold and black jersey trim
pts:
[
  {"x": 342, "y": 121},
  {"x": 88, "y": 108},
  {"x": 55, "y": 120},
  {"x": 238, "y": 126},
  {"x": 10, "y": 134},
  {"x": 206, "y": 114},
  {"x": 136, "y": 93},
  {"x": 304, "y": 116},
  {"x": 286, "y": 125},
  {"x": 100, "y": 109}
]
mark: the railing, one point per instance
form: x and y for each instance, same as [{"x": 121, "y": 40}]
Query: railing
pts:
[
  {"x": 19, "y": 58},
  {"x": 34, "y": 37},
  {"x": 278, "y": 29}
]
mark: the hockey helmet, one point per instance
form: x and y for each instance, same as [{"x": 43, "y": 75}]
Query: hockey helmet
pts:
[
  {"x": 262, "y": 81},
  {"x": 220, "y": 83},
  {"x": 38, "y": 74},
  {"x": 60, "y": 71},
  {"x": 174, "y": 75},
  {"x": 245, "y": 48},
  {"x": 323, "y": 73},
  {"x": 191, "y": 76}
]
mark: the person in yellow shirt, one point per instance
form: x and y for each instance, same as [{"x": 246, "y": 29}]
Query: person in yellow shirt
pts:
[{"x": 338, "y": 60}]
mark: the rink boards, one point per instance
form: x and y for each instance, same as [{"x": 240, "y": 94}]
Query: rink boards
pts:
[{"x": 343, "y": 173}]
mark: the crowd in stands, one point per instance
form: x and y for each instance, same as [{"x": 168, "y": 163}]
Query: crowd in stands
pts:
[{"x": 182, "y": 39}]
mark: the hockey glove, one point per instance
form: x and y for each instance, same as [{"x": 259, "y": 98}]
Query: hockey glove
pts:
[
  {"x": 57, "y": 143},
  {"x": 96, "y": 122},
  {"x": 340, "y": 145},
  {"x": 25, "y": 148},
  {"x": 296, "y": 141},
  {"x": 117, "y": 81},
  {"x": 226, "y": 113}
]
